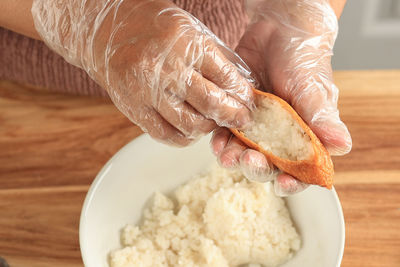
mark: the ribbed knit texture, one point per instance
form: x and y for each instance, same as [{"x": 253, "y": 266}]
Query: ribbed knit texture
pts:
[{"x": 29, "y": 61}]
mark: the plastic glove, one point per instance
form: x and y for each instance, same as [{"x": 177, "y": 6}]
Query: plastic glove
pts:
[
  {"x": 161, "y": 67},
  {"x": 233, "y": 153},
  {"x": 288, "y": 46}
]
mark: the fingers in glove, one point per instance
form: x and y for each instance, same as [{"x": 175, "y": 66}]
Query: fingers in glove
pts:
[
  {"x": 231, "y": 152},
  {"x": 256, "y": 167},
  {"x": 333, "y": 132},
  {"x": 285, "y": 185},
  {"x": 214, "y": 103},
  {"x": 160, "y": 129},
  {"x": 296, "y": 62},
  {"x": 230, "y": 155},
  {"x": 224, "y": 74},
  {"x": 315, "y": 99},
  {"x": 219, "y": 140},
  {"x": 184, "y": 117}
]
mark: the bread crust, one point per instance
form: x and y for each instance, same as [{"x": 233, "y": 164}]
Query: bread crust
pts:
[{"x": 318, "y": 169}]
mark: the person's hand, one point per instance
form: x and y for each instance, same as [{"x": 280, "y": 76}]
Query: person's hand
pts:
[
  {"x": 288, "y": 46},
  {"x": 161, "y": 67}
]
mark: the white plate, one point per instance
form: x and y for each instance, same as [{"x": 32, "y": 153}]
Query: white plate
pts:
[{"x": 143, "y": 166}]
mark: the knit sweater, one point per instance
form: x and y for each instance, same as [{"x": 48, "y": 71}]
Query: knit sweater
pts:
[{"x": 30, "y": 61}]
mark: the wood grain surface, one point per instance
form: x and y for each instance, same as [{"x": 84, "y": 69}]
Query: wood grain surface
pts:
[{"x": 52, "y": 146}]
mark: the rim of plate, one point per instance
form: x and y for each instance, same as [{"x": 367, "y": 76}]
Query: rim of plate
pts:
[
  {"x": 342, "y": 227},
  {"x": 89, "y": 195}
]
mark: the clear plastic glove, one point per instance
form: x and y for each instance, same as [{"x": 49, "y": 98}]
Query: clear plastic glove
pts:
[
  {"x": 288, "y": 46},
  {"x": 161, "y": 67},
  {"x": 233, "y": 153}
]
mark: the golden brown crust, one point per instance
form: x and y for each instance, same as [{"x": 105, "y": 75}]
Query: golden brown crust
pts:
[{"x": 316, "y": 170}]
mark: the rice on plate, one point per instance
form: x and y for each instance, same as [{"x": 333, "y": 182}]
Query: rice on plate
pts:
[{"x": 218, "y": 218}]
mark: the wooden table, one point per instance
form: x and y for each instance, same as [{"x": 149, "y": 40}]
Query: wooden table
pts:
[{"x": 52, "y": 146}]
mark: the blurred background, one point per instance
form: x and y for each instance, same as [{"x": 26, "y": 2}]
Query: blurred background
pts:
[{"x": 369, "y": 35}]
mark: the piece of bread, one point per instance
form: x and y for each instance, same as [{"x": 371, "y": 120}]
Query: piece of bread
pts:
[{"x": 286, "y": 140}]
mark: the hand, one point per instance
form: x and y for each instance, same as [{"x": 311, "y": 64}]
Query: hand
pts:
[
  {"x": 289, "y": 47},
  {"x": 161, "y": 67},
  {"x": 232, "y": 153}
]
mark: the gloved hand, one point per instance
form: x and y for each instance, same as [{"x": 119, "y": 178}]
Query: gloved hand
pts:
[
  {"x": 288, "y": 46},
  {"x": 161, "y": 67}
]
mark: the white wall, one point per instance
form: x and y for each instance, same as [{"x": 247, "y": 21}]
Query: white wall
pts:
[{"x": 369, "y": 35}]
